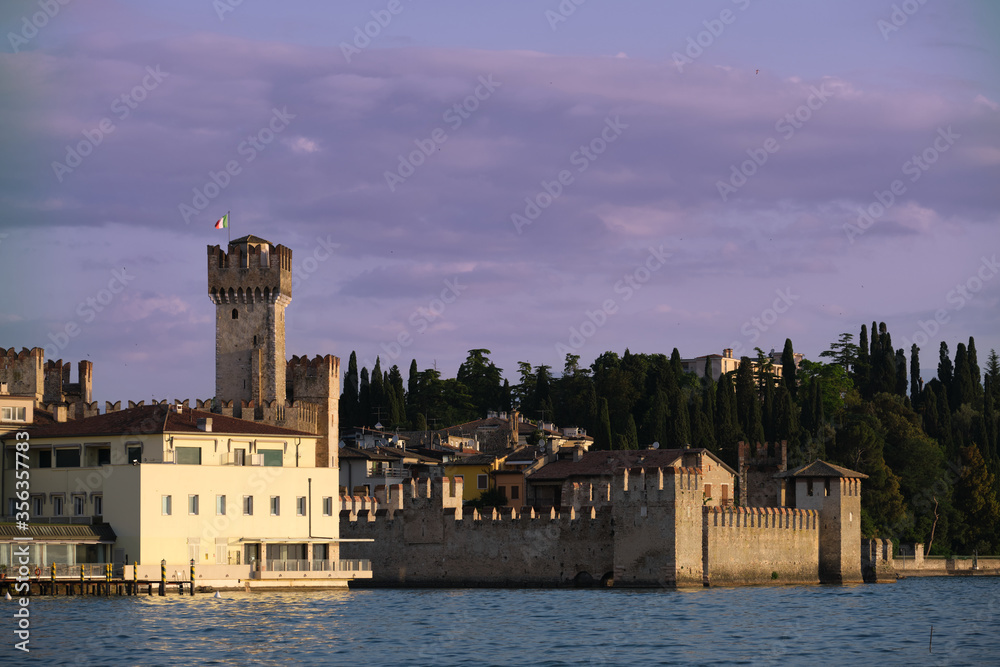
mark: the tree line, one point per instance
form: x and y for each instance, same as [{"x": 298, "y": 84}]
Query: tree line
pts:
[{"x": 929, "y": 449}]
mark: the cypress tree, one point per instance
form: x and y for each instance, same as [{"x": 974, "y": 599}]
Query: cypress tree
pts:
[
  {"x": 348, "y": 408},
  {"x": 364, "y": 400},
  {"x": 788, "y": 370},
  {"x": 376, "y": 393},
  {"x": 901, "y": 372},
  {"x": 863, "y": 366},
  {"x": 397, "y": 398},
  {"x": 945, "y": 369},
  {"x": 630, "y": 437},
  {"x": 961, "y": 386},
  {"x": 974, "y": 371},
  {"x": 915, "y": 381},
  {"x": 727, "y": 430},
  {"x": 679, "y": 428},
  {"x": 602, "y": 438},
  {"x": 746, "y": 398}
]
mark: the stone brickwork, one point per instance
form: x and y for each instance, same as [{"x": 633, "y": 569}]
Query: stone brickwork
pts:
[
  {"x": 760, "y": 545},
  {"x": 757, "y": 467},
  {"x": 876, "y": 561},
  {"x": 251, "y": 285},
  {"x": 317, "y": 381},
  {"x": 652, "y": 530},
  {"x": 47, "y": 382},
  {"x": 23, "y": 371}
]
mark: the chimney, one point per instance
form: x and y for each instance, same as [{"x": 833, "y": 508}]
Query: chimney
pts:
[
  {"x": 204, "y": 424},
  {"x": 59, "y": 413},
  {"x": 728, "y": 353},
  {"x": 3, "y": 387}
]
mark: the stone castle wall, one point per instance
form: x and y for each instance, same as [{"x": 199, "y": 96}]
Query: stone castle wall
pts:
[
  {"x": 759, "y": 545},
  {"x": 655, "y": 532}
]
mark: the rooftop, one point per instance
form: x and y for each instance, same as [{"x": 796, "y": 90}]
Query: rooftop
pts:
[{"x": 155, "y": 419}]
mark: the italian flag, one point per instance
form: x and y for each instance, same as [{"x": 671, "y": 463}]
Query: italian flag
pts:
[{"x": 222, "y": 222}]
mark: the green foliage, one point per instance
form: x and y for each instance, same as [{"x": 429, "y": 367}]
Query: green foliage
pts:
[{"x": 488, "y": 499}]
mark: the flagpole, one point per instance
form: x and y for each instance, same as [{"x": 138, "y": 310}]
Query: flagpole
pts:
[{"x": 229, "y": 227}]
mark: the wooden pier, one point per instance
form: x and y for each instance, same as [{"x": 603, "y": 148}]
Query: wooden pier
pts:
[{"x": 105, "y": 586}]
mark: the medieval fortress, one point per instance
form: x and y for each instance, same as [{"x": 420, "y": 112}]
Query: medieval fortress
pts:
[{"x": 638, "y": 527}]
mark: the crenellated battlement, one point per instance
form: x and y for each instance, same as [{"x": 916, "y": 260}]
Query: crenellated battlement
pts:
[
  {"x": 762, "y": 517},
  {"x": 253, "y": 271}
]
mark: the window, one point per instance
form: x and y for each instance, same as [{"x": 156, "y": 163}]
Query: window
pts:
[
  {"x": 275, "y": 506},
  {"x": 45, "y": 458},
  {"x": 14, "y": 414},
  {"x": 220, "y": 505},
  {"x": 272, "y": 457},
  {"x": 809, "y": 487},
  {"x": 236, "y": 314},
  {"x": 240, "y": 457},
  {"x": 134, "y": 453},
  {"x": 515, "y": 492},
  {"x": 328, "y": 506},
  {"x": 248, "y": 505},
  {"x": 11, "y": 506},
  {"x": 165, "y": 505},
  {"x": 57, "y": 506},
  {"x": 79, "y": 505},
  {"x": 192, "y": 504},
  {"x": 188, "y": 455},
  {"x": 104, "y": 456},
  {"x": 68, "y": 458},
  {"x": 481, "y": 482},
  {"x": 36, "y": 505},
  {"x": 300, "y": 506},
  {"x": 98, "y": 505},
  {"x": 708, "y": 491}
]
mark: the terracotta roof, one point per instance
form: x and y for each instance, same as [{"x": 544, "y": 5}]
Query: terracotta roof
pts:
[
  {"x": 365, "y": 454},
  {"x": 822, "y": 469},
  {"x": 474, "y": 460},
  {"x": 249, "y": 238},
  {"x": 151, "y": 419},
  {"x": 614, "y": 461}
]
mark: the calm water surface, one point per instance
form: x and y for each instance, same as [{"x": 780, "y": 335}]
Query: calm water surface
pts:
[{"x": 815, "y": 625}]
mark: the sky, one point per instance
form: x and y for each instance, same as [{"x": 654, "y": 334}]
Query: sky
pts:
[{"x": 536, "y": 178}]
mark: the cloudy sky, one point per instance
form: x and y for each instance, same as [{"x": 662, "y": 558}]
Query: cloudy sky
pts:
[{"x": 534, "y": 177}]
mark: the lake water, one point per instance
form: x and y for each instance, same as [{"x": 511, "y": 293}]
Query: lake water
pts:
[{"x": 888, "y": 623}]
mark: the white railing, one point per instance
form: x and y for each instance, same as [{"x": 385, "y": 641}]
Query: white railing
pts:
[
  {"x": 389, "y": 471},
  {"x": 319, "y": 566}
]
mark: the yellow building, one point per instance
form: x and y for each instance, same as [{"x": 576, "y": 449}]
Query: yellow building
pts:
[
  {"x": 245, "y": 500},
  {"x": 475, "y": 472}
]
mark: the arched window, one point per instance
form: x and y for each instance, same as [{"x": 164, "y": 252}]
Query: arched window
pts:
[
  {"x": 255, "y": 341},
  {"x": 236, "y": 314}
]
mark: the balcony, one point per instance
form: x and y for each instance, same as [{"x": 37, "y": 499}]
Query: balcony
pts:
[{"x": 389, "y": 471}]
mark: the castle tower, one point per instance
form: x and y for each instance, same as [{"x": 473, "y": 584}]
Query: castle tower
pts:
[
  {"x": 250, "y": 285},
  {"x": 836, "y": 493}
]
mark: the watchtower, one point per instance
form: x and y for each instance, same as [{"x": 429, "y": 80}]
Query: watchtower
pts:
[
  {"x": 836, "y": 493},
  {"x": 250, "y": 285}
]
